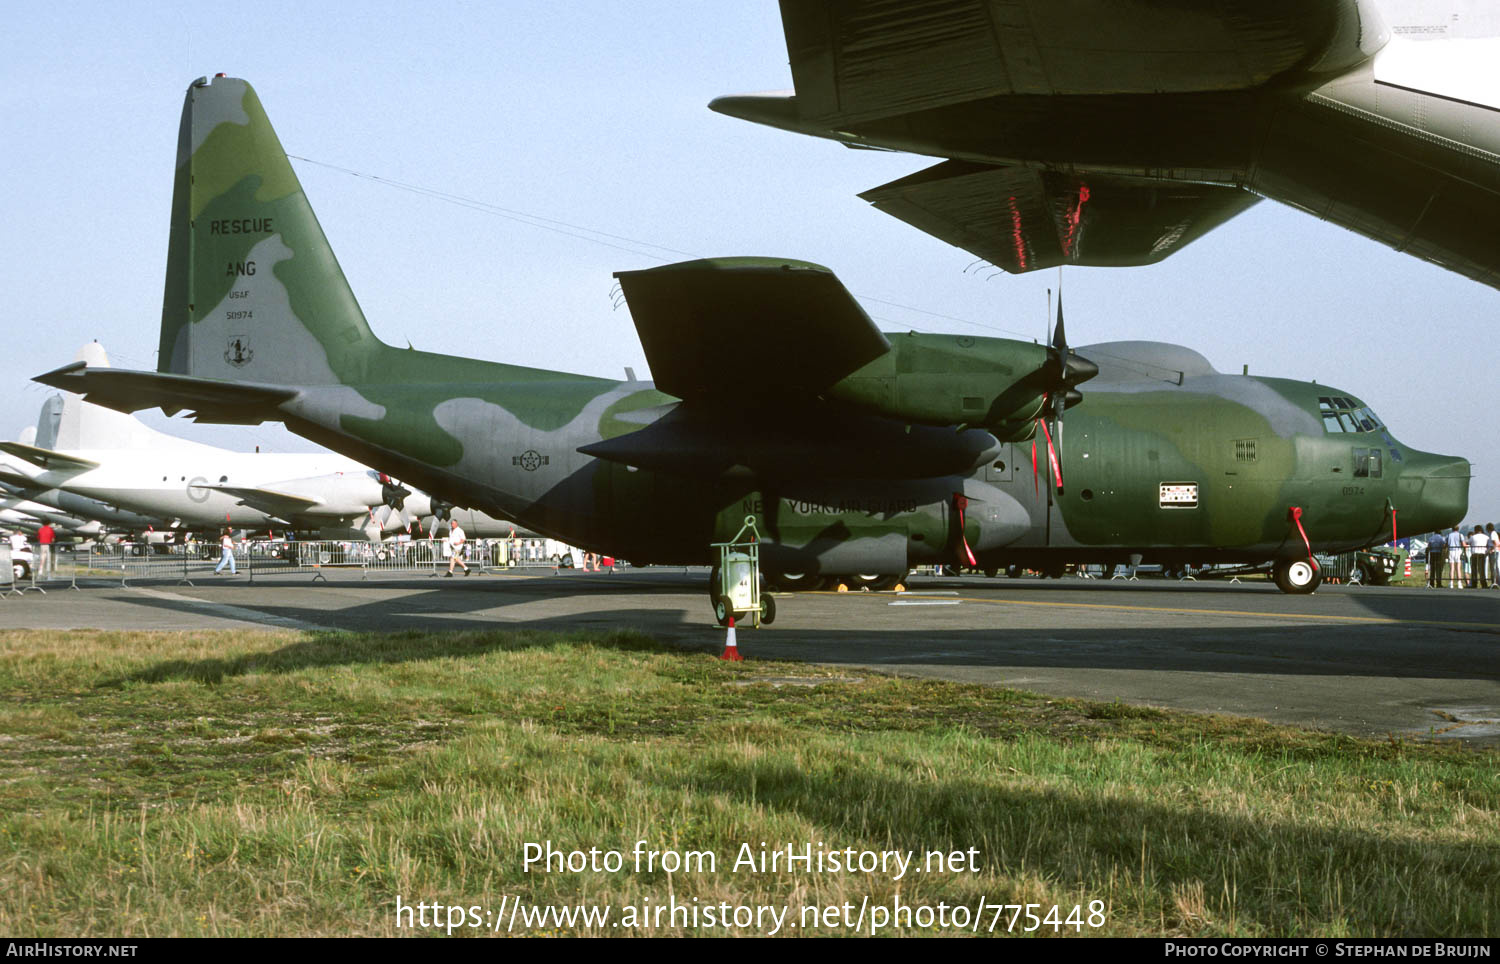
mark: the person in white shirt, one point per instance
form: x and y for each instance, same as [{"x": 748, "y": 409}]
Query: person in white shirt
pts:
[
  {"x": 226, "y": 543},
  {"x": 1455, "y": 558},
  {"x": 1479, "y": 559},
  {"x": 17, "y": 541},
  {"x": 456, "y": 548}
]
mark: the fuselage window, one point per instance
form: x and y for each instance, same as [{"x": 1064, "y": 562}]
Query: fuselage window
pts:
[{"x": 1367, "y": 463}]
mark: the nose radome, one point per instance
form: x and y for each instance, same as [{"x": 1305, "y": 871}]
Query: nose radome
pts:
[{"x": 1442, "y": 491}]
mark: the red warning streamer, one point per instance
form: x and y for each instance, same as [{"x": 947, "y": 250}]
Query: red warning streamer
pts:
[
  {"x": 960, "y": 503},
  {"x": 1295, "y": 514},
  {"x": 1051, "y": 455}
]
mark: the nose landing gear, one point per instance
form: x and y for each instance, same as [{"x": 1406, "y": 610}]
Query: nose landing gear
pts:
[{"x": 1297, "y": 577}]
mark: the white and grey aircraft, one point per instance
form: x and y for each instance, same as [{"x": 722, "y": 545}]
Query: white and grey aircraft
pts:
[{"x": 99, "y": 454}]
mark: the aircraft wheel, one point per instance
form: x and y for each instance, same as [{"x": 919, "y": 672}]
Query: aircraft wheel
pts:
[
  {"x": 1297, "y": 577},
  {"x": 991, "y": 572},
  {"x": 1013, "y": 572},
  {"x": 794, "y": 581},
  {"x": 767, "y": 609},
  {"x": 1055, "y": 570},
  {"x": 877, "y": 582}
]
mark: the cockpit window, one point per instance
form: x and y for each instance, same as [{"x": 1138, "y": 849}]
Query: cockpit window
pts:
[{"x": 1341, "y": 414}]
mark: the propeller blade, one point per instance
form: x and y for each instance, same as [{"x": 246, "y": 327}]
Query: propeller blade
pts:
[{"x": 1060, "y": 340}]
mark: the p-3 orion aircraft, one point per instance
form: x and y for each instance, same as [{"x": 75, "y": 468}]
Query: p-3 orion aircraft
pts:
[{"x": 857, "y": 452}]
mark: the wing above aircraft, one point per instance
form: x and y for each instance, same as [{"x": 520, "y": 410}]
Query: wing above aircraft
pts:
[
  {"x": 748, "y": 328},
  {"x": 855, "y": 61},
  {"x": 1309, "y": 102}
]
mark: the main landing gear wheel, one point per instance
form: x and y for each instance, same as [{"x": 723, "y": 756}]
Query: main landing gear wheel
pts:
[
  {"x": 794, "y": 581},
  {"x": 1297, "y": 577}
]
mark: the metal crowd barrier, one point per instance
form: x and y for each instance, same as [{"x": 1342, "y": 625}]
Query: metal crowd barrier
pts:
[
  {"x": 192, "y": 563},
  {"x": 7, "y": 573}
]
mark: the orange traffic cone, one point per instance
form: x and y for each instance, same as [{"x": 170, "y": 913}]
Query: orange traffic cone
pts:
[
  {"x": 1408, "y": 567},
  {"x": 731, "y": 651}
]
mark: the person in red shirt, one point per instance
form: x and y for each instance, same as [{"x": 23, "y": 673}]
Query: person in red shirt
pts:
[{"x": 46, "y": 535}]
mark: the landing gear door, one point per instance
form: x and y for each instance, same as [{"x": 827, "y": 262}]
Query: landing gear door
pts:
[{"x": 1002, "y": 468}]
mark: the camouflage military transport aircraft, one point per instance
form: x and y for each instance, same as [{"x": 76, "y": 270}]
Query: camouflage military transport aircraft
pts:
[{"x": 858, "y": 452}]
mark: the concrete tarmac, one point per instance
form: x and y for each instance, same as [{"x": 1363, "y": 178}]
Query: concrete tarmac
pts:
[{"x": 1363, "y": 660}]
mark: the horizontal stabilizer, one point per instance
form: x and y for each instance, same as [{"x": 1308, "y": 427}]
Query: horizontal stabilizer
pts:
[
  {"x": 748, "y": 328},
  {"x": 1021, "y": 219},
  {"x": 46, "y": 458},
  {"x": 210, "y": 400},
  {"x": 273, "y": 503}
]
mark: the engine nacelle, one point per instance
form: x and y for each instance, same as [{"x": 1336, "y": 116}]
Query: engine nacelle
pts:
[{"x": 996, "y": 383}]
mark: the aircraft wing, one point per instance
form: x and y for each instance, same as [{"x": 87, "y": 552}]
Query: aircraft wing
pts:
[
  {"x": 15, "y": 479},
  {"x": 1023, "y": 218},
  {"x": 748, "y": 328},
  {"x": 46, "y": 458},
  {"x": 282, "y": 505},
  {"x": 856, "y": 61},
  {"x": 210, "y": 400}
]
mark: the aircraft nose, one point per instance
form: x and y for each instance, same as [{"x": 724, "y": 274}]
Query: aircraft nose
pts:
[{"x": 1440, "y": 485}]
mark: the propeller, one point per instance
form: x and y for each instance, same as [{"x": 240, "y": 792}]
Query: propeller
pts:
[
  {"x": 1067, "y": 371},
  {"x": 393, "y": 502}
]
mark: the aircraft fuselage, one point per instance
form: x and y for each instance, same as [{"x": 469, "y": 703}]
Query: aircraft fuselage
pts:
[{"x": 1197, "y": 466}]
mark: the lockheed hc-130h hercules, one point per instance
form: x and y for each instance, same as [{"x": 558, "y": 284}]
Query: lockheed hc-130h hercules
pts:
[{"x": 858, "y": 452}]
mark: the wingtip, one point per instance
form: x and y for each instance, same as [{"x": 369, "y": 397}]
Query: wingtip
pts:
[{"x": 51, "y": 378}]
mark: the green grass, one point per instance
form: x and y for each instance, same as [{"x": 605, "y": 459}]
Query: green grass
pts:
[{"x": 296, "y": 783}]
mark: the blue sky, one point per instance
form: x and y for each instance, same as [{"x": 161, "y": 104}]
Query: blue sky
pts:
[{"x": 594, "y": 115}]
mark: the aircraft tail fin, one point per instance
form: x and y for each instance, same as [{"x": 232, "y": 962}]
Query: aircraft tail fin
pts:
[{"x": 253, "y": 290}]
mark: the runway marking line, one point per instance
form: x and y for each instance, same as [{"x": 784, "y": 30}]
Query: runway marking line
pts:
[{"x": 1379, "y": 620}]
